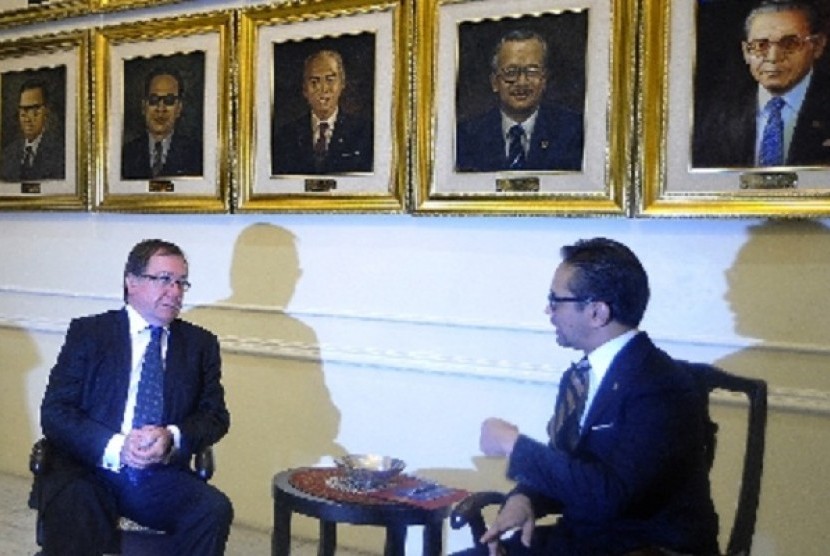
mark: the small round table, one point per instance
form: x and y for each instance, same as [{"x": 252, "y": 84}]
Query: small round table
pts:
[{"x": 395, "y": 517}]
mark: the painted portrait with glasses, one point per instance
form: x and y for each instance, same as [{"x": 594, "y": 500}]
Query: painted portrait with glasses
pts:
[
  {"x": 761, "y": 85},
  {"x": 520, "y": 95},
  {"x": 33, "y": 125},
  {"x": 163, "y": 134}
]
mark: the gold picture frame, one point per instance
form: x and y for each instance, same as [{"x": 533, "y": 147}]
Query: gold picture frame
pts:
[
  {"x": 363, "y": 168},
  {"x": 677, "y": 68},
  {"x": 601, "y": 58},
  {"x": 194, "y": 171},
  {"x": 21, "y": 12},
  {"x": 44, "y": 122}
]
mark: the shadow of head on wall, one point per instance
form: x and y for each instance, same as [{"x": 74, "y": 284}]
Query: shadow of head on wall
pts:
[
  {"x": 777, "y": 289},
  {"x": 281, "y": 407}
]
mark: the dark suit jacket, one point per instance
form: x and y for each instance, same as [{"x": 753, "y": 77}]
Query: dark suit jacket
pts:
[
  {"x": 184, "y": 158},
  {"x": 725, "y": 132},
  {"x": 84, "y": 401},
  {"x": 49, "y": 162},
  {"x": 350, "y": 149},
  {"x": 557, "y": 142},
  {"x": 638, "y": 476}
]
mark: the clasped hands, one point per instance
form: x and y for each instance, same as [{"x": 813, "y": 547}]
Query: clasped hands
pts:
[{"x": 149, "y": 445}]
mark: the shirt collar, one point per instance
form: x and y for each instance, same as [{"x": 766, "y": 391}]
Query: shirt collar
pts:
[
  {"x": 137, "y": 323},
  {"x": 316, "y": 121},
  {"x": 602, "y": 356},
  {"x": 793, "y": 98},
  {"x": 527, "y": 125}
]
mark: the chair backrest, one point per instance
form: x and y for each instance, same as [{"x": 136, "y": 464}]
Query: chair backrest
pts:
[{"x": 712, "y": 378}]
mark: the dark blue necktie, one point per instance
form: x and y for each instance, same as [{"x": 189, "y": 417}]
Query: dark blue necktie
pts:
[
  {"x": 516, "y": 152},
  {"x": 563, "y": 428},
  {"x": 772, "y": 141},
  {"x": 149, "y": 401}
]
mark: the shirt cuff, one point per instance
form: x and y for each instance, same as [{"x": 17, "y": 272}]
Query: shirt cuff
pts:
[{"x": 112, "y": 453}]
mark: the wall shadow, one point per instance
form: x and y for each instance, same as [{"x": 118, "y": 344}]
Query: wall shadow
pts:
[
  {"x": 282, "y": 414},
  {"x": 777, "y": 291},
  {"x": 23, "y": 388}
]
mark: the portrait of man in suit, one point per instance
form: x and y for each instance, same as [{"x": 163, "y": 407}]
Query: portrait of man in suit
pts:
[
  {"x": 774, "y": 112},
  {"x": 36, "y": 150},
  {"x": 161, "y": 149},
  {"x": 327, "y": 137},
  {"x": 521, "y": 129}
]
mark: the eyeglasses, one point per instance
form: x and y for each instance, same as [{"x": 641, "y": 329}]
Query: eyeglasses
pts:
[
  {"x": 787, "y": 44},
  {"x": 553, "y": 300},
  {"x": 165, "y": 281},
  {"x": 29, "y": 109},
  {"x": 511, "y": 74},
  {"x": 167, "y": 100}
]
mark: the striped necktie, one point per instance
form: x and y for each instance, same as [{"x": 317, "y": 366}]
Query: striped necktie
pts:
[{"x": 563, "y": 428}]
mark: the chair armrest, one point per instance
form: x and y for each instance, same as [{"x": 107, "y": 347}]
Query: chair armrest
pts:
[
  {"x": 39, "y": 457},
  {"x": 469, "y": 512},
  {"x": 203, "y": 464}
]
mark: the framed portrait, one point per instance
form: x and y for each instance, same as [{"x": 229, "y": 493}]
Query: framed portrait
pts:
[
  {"x": 162, "y": 115},
  {"x": 19, "y": 12},
  {"x": 523, "y": 106},
  {"x": 323, "y": 107},
  {"x": 709, "y": 144},
  {"x": 44, "y": 123}
]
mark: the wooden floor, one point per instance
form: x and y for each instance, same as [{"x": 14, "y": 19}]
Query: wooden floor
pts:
[{"x": 17, "y": 523}]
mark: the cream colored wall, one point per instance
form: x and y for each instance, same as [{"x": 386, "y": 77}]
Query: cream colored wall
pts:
[{"x": 399, "y": 335}]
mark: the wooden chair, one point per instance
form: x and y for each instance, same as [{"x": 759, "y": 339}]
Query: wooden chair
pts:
[
  {"x": 133, "y": 537},
  {"x": 468, "y": 512}
]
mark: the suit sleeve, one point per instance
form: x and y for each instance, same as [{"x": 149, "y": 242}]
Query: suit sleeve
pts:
[
  {"x": 621, "y": 466},
  {"x": 208, "y": 420},
  {"x": 65, "y": 419}
]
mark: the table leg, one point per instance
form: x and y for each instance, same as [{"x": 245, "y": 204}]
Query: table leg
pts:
[
  {"x": 432, "y": 538},
  {"x": 281, "y": 535},
  {"x": 328, "y": 538},
  {"x": 395, "y": 540}
]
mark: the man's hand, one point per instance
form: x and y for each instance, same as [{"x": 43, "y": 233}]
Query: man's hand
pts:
[
  {"x": 146, "y": 446},
  {"x": 516, "y": 513},
  {"x": 497, "y": 437}
]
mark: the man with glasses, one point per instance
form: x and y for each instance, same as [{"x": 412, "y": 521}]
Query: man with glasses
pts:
[
  {"x": 134, "y": 393},
  {"x": 624, "y": 463},
  {"x": 781, "y": 116},
  {"x": 38, "y": 152},
  {"x": 161, "y": 151},
  {"x": 521, "y": 133}
]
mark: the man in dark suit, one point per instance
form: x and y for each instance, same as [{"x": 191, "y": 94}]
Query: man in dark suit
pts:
[
  {"x": 327, "y": 139},
  {"x": 161, "y": 151},
  {"x": 784, "y": 95},
  {"x": 38, "y": 153},
  {"x": 521, "y": 133},
  {"x": 109, "y": 458},
  {"x": 625, "y": 464}
]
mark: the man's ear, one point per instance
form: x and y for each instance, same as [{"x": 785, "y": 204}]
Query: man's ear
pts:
[{"x": 601, "y": 313}]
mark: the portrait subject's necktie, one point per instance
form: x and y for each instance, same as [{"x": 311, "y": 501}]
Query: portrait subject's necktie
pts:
[
  {"x": 320, "y": 145},
  {"x": 515, "y": 151},
  {"x": 28, "y": 157},
  {"x": 563, "y": 428},
  {"x": 772, "y": 140},
  {"x": 149, "y": 401},
  {"x": 158, "y": 158}
]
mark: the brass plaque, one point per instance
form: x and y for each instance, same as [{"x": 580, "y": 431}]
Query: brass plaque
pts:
[
  {"x": 30, "y": 187},
  {"x": 769, "y": 180},
  {"x": 320, "y": 185},
  {"x": 517, "y": 184},
  {"x": 161, "y": 186}
]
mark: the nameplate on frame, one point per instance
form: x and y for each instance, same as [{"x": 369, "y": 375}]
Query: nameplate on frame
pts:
[
  {"x": 769, "y": 180},
  {"x": 30, "y": 188},
  {"x": 517, "y": 184},
  {"x": 161, "y": 186},
  {"x": 320, "y": 185}
]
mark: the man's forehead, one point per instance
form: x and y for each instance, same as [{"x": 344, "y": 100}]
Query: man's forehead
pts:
[{"x": 164, "y": 82}]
